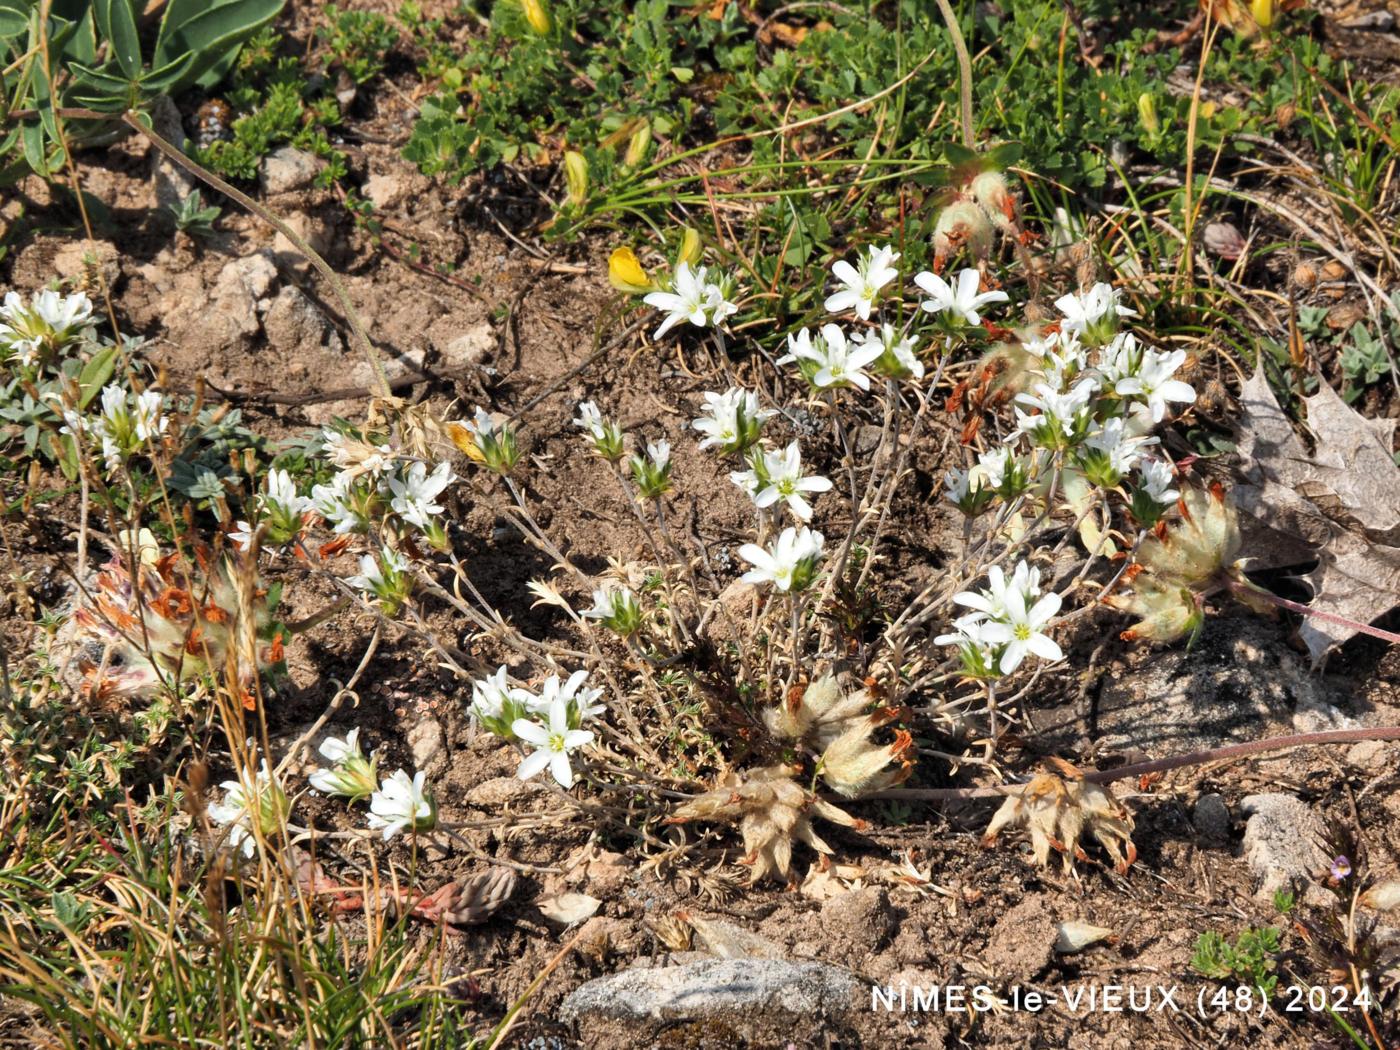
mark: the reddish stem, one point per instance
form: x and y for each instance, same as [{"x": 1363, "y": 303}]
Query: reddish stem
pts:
[
  {"x": 1159, "y": 765},
  {"x": 1246, "y": 589}
]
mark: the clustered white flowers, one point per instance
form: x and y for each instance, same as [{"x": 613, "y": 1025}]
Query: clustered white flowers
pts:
[
  {"x": 126, "y": 425},
  {"x": 1006, "y": 624},
  {"x": 1093, "y": 396},
  {"x": 549, "y": 721},
  {"x": 693, "y": 296},
  {"x": 49, "y": 322}
]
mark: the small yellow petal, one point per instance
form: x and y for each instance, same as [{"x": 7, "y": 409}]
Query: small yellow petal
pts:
[{"x": 625, "y": 272}]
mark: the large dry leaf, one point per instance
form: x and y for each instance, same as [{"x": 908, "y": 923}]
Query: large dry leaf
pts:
[{"x": 1339, "y": 504}]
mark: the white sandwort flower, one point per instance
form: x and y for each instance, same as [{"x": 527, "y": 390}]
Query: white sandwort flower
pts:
[
  {"x": 861, "y": 284},
  {"x": 1158, "y": 479},
  {"x": 1154, "y": 386},
  {"x": 578, "y": 696},
  {"x": 402, "y": 804},
  {"x": 692, "y": 298},
  {"x": 897, "y": 358},
  {"x": 337, "y": 503},
  {"x": 789, "y": 565},
  {"x": 1020, "y": 630},
  {"x": 783, "y": 480},
  {"x": 245, "y": 813},
  {"x": 280, "y": 496},
  {"x": 552, "y": 744},
  {"x": 1092, "y": 309},
  {"x": 733, "y": 420},
  {"x": 605, "y": 435},
  {"x": 351, "y": 775},
  {"x": 415, "y": 494},
  {"x": 963, "y": 301},
  {"x": 831, "y": 361},
  {"x": 616, "y": 608}
]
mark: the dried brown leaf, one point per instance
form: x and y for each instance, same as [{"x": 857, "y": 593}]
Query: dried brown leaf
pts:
[{"x": 1341, "y": 501}]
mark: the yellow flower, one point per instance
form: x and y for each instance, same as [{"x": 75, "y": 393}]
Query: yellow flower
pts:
[
  {"x": 626, "y": 274},
  {"x": 537, "y": 15}
]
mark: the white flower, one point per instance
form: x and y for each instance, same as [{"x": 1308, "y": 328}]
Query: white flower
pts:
[
  {"x": 50, "y": 318},
  {"x": 351, "y": 775},
  {"x": 414, "y": 495},
  {"x": 897, "y": 357},
  {"x": 340, "y": 750},
  {"x": 243, "y": 814},
  {"x": 147, "y": 417},
  {"x": 617, "y": 608},
  {"x": 62, "y": 313},
  {"x": 789, "y": 565},
  {"x": 994, "y": 463},
  {"x": 1084, "y": 311},
  {"x": 732, "y": 420},
  {"x": 1064, "y": 414},
  {"x": 861, "y": 286},
  {"x": 1019, "y": 629},
  {"x": 578, "y": 697},
  {"x": 379, "y": 579},
  {"x": 1154, "y": 386},
  {"x": 280, "y": 496},
  {"x": 1119, "y": 360},
  {"x": 1157, "y": 480},
  {"x": 605, "y": 435},
  {"x": 990, "y": 601},
  {"x": 1120, "y": 450},
  {"x": 242, "y": 535},
  {"x": 552, "y": 744},
  {"x": 831, "y": 360},
  {"x": 590, "y": 419},
  {"x": 402, "y": 804},
  {"x": 652, "y": 472},
  {"x": 783, "y": 480},
  {"x": 691, "y": 298},
  {"x": 491, "y": 696},
  {"x": 963, "y": 301},
  {"x": 334, "y": 502}
]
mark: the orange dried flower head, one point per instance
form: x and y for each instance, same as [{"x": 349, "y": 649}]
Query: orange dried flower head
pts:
[{"x": 174, "y": 622}]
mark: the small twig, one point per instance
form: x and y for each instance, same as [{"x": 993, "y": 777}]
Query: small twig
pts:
[{"x": 1160, "y": 765}]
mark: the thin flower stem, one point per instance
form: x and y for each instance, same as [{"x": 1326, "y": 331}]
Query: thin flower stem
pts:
[
  {"x": 1250, "y": 591},
  {"x": 964, "y": 71},
  {"x": 1160, "y": 765}
]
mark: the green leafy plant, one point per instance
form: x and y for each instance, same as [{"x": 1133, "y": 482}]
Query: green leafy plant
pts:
[
  {"x": 193, "y": 218},
  {"x": 90, "y": 54},
  {"x": 358, "y": 41},
  {"x": 1251, "y": 960}
]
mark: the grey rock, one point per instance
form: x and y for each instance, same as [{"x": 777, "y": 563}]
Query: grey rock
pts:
[
  {"x": 287, "y": 169},
  {"x": 470, "y": 347},
  {"x": 1239, "y": 682},
  {"x": 713, "y": 989},
  {"x": 1281, "y": 845},
  {"x": 172, "y": 182},
  {"x": 294, "y": 323},
  {"x": 1211, "y": 817},
  {"x": 426, "y": 744},
  {"x": 384, "y": 190}
]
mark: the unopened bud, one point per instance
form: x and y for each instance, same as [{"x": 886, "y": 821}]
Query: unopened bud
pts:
[
  {"x": 625, "y": 272},
  {"x": 1147, "y": 114},
  {"x": 637, "y": 145},
  {"x": 537, "y": 15},
  {"x": 690, "y": 248},
  {"x": 576, "y": 176}
]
